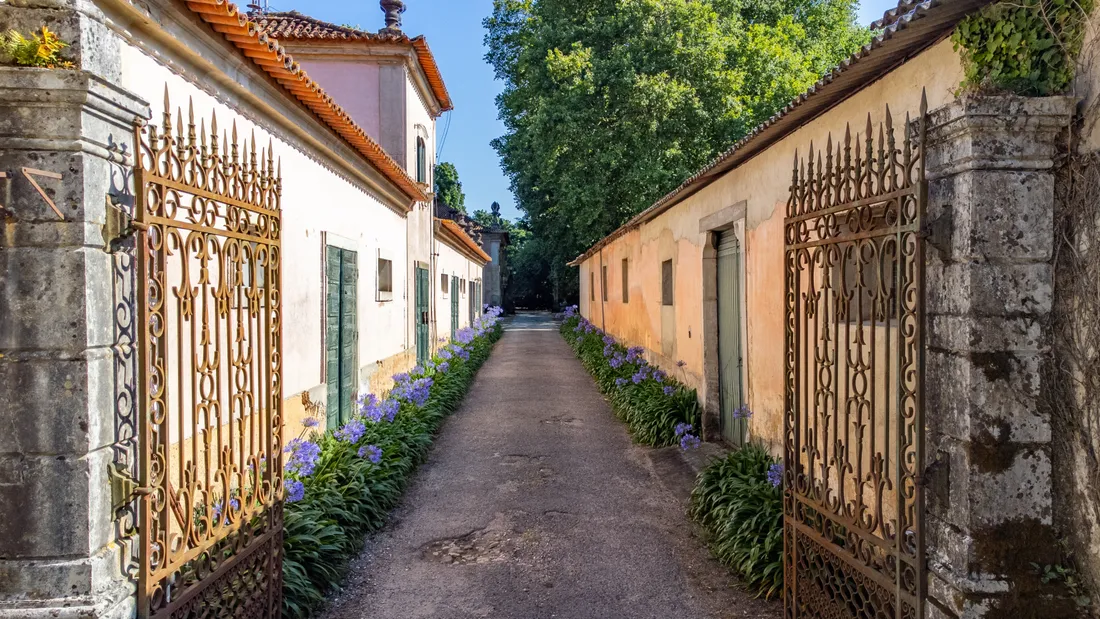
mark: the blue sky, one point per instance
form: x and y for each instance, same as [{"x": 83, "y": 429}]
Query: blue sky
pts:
[{"x": 453, "y": 29}]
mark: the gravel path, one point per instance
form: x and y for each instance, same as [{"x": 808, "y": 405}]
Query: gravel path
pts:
[{"x": 535, "y": 504}]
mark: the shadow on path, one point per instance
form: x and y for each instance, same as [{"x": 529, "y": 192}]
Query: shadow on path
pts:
[{"x": 534, "y": 504}]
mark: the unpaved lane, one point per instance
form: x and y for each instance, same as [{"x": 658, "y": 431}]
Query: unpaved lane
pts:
[{"x": 534, "y": 504}]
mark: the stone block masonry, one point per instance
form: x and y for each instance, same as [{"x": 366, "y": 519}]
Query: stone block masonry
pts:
[
  {"x": 989, "y": 297},
  {"x": 71, "y": 133}
]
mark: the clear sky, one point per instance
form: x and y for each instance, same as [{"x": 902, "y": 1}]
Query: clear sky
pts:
[{"x": 454, "y": 32}]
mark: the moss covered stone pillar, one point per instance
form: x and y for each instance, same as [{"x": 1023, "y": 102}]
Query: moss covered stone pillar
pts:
[
  {"x": 66, "y": 383},
  {"x": 989, "y": 298}
]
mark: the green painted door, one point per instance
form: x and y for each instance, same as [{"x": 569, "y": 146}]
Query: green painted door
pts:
[
  {"x": 341, "y": 333},
  {"x": 472, "y": 305},
  {"x": 734, "y": 425},
  {"x": 423, "y": 327},
  {"x": 455, "y": 294}
]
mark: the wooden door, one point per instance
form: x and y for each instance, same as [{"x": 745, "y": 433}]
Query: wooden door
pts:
[
  {"x": 730, "y": 353},
  {"x": 341, "y": 333}
]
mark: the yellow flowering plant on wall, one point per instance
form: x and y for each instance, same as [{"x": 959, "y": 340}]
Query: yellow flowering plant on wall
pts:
[{"x": 41, "y": 49}]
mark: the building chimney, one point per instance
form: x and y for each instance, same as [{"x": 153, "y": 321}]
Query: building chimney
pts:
[{"x": 393, "y": 10}]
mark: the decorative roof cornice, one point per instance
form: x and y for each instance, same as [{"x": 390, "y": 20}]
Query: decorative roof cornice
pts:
[
  {"x": 225, "y": 18},
  {"x": 294, "y": 26},
  {"x": 464, "y": 242}
]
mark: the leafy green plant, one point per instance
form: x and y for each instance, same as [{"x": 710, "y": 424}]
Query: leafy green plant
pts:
[
  {"x": 658, "y": 410},
  {"x": 738, "y": 500},
  {"x": 1027, "y": 47},
  {"x": 1067, "y": 576},
  {"x": 41, "y": 49},
  {"x": 342, "y": 485}
]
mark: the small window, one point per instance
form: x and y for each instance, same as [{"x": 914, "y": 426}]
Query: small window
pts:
[
  {"x": 385, "y": 279},
  {"x": 626, "y": 282},
  {"x": 462, "y": 286},
  {"x": 592, "y": 285},
  {"x": 666, "y": 283},
  {"x": 445, "y": 283},
  {"x": 603, "y": 283},
  {"x": 421, "y": 161}
]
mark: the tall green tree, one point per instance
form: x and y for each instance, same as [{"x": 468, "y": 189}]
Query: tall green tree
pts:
[
  {"x": 448, "y": 187},
  {"x": 610, "y": 104}
]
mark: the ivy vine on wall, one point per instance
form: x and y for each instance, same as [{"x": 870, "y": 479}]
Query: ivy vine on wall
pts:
[{"x": 1026, "y": 47}]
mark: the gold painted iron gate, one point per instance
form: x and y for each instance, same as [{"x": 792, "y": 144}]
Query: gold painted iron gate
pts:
[
  {"x": 208, "y": 246},
  {"x": 853, "y": 507}
]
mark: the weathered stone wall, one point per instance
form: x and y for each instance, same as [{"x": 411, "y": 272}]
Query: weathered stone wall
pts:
[
  {"x": 64, "y": 360},
  {"x": 990, "y": 505}
]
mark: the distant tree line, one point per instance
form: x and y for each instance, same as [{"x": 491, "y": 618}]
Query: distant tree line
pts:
[{"x": 610, "y": 104}]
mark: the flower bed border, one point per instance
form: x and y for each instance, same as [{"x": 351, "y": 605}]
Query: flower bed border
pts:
[{"x": 341, "y": 485}]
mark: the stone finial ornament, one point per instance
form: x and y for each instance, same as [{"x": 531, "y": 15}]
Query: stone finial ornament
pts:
[{"x": 393, "y": 10}]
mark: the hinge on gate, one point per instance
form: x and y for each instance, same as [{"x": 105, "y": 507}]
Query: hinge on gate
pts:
[
  {"x": 123, "y": 487},
  {"x": 937, "y": 232},
  {"x": 120, "y": 225}
]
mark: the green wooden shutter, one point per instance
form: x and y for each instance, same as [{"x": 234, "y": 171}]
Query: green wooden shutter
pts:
[
  {"x": 454, "y": 306},
  {"x": 349, "y": 333},
  {"x": 332, "y": 334},
  {"x": 423, "y": 289},
  {"x": 734, "y": 428}
]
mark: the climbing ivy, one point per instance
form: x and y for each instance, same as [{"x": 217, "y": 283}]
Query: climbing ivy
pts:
[{"x": 1027, "y": 47}]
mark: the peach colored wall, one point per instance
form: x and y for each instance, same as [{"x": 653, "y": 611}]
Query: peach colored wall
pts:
[{"x": 763, "y": 183}]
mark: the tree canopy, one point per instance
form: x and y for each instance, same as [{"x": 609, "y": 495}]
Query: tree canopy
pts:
[
  {"x": 448, "y": 187},
  {"x": 610, "y": 104}
]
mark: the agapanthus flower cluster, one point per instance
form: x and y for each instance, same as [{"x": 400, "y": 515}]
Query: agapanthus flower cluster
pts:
[
  {"x": 669, "y": 390},
  {"x": 311, "y": 422},
  {"x": 571, "y": 311},
  {"x": 775, "y": 475},
  {"x": 303, "y": 457},
  {"x": 371, "y": 452},
  {"x": 742, "y": 413},
  {"x": 295, "y": 490},
  {"x": 352, "y": 432},
  {"x": 375, "y": 410},
  {"x": 687, "y": 439},
  {"x": 415, "y": 392}
]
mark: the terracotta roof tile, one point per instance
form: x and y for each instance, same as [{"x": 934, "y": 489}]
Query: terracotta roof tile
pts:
[
  {"x": 225, "y": 18},
  {"x": 294, "y": 26}
]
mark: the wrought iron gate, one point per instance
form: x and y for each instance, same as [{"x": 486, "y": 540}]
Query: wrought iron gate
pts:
[
  {"x": 854, "y": 427},
  {"x": 210, "y": 316}
]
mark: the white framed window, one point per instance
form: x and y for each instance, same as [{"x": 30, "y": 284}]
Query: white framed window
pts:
[{"x": 385, "y": 276}]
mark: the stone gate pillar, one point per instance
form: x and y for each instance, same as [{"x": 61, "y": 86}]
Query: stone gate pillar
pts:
[
  {"x": 65, "y": 139},
  {"x": 989, "y": 297}
]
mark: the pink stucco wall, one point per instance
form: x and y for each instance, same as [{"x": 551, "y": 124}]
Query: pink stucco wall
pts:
[{"x": 354, "y": 86}]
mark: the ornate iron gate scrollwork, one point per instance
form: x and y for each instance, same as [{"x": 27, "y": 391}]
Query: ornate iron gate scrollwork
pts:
[
  {"x": 210, "y": 346},
  {"x": 854, "y": 426}
]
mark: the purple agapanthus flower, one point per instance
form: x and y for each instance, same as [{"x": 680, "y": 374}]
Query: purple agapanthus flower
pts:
[
  {"x": 390, "y": 408},
  {"x": 310, "y": 422},
  {"x": 620, "y": 382},
  {"x": 669, "y": 390},
  {"x": 617, "y": 361},
  {"x": 371, "y": 452},
  {"x": 352, "y": 431},
  {"x": 303, "y": 457},
  {"x": 608, "y": 340},
  {"x": 659, "y": 376},
  {"x": 295, "y": 490},
  {"x": 690, "y": 441},
  {"x": 742, "y": 413},
  {"x": 682, "y": 428},
  {"x": 444, "y": 367},
  {"x": 445, "y": 354},
  {"x": 681, "y": 363},
  {"x": 775, "y": 474}
]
